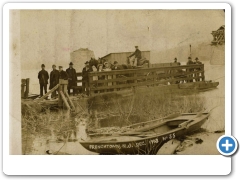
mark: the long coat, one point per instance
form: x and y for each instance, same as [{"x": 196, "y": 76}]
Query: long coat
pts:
[
  {"x": 54, "y": 78},
  {"x": 190, "y": 62},
  {"x": 85, "y": 73},
  {"x": 72, "y": 75},
  {"x": 43, "y": 77}
]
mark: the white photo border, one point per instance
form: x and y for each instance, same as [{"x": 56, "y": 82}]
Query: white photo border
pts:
[{"x": 115, "y": 165}]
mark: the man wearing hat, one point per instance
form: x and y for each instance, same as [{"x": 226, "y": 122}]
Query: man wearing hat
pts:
[
  {"x": 137, "y": 55},
  {"x": 62, "y": 74},
  {"x": 175, "y": 60},
  {"x": 43, "y": 79},
  {"x": 197, "y": 69},
  {"x": 54, "y": 79},
  {"x": 176, "y": 71},
  {"x": 190, "y": 62},
  {"x": 72, "y": 78},
  {"x": 85, "y": 72}
]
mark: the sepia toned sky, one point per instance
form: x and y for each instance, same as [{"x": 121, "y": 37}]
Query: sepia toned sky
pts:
[{"x": 48, "y": 36}]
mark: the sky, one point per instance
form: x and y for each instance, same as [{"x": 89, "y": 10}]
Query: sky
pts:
[{"x": 48, "y": 36}]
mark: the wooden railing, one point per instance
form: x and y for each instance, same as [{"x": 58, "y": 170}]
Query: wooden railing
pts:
[{"x": 116, "y": 80}]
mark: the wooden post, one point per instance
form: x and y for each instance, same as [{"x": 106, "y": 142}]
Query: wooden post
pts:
[
  {"x": 27, "y": 88},
  {"x": 64, "y": 100},
  {"x": 202, "y": 74},
  {"x": 60, "y": 101},
  {"x": 23, "y": 84},
  {"x": 70, "y": 101},
  {"x": 62, "y": 88}
]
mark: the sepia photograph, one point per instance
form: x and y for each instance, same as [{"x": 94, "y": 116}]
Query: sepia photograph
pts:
[{"x": 117, "y": 82}]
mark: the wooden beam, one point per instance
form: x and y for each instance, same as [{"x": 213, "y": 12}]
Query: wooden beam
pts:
[
  {"x": 49, "y": 92},
  {"x": 145, "y": 83},
  {"x": 70, "y": 101},
  {"x": 144, "y": 70},
  {"x": 65, "y": 100},
  {"x": 144, "y": 77}
]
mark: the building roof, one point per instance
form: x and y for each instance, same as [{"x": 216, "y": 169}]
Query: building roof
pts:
[
  {"x": 120, "y": 53},
  {"x": 82, "y": 49}
]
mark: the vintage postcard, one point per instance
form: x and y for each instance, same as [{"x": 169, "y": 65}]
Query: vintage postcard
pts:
[{"x": 145, "y": 81}]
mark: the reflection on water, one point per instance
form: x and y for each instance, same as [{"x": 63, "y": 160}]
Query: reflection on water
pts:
[{"x": 65, "y": 134}]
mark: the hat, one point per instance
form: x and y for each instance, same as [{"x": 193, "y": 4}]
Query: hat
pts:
[
  {"x": 189, "y": 57},
  {"x": 86, "y": 62},
  {"x": 54, "y": 65},
  {"x": 115, "y": 62},
  {"x": 196, "y": 58},
  {"x": 60, "y": 66},
  {"x": 175, "y": 58},
  {"x": 42, "y": 65},
  {"x": 136, "y": 46},
  {"x": 70, "y": 63}
]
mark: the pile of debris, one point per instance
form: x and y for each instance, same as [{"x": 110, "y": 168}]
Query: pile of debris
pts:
[{"x": 219, "y": 36}]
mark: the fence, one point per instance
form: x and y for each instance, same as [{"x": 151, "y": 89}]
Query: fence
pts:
[{"x": 101, "y": 82}]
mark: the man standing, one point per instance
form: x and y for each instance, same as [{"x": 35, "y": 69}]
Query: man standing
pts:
[
  {"x": 43, "y": 79},
  {"x": 175, "y": 60},
  {"x": 190, "y": 62},
  {"x": 138, "y": 56},
  {"x": 85, "y": 72},
  {"x": 197, "y": 69},
  {"x": 54, "y": 79},
  {"x": 72, "y": 78},
  {"x": 62, "y": 76},
  {"x": 176, "y": 63}
]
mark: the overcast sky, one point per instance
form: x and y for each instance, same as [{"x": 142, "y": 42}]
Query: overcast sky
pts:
[{"x": 50, "y": 36}]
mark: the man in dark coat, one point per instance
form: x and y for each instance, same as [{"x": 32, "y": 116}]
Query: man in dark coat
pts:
[
  {"x": 197, "y": 69},
  {"x": 43, "y": 79},
  {"x": 137, "y": 54},
  {"x": 190, "y": 62},
  {"x": 62, "y": 74},
  {"x": 85, "y": 72},
  {"x": 54, "y": 79},
  {"x": 72, "y": 78}
]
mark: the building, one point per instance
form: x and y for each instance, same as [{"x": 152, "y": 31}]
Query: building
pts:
[
  {"x": 121, "y": 57},
  {"x": 80, "y": 56}
]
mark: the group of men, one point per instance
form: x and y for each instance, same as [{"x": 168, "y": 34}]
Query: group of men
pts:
[
  {"x": 191, "y": 62},
  {"x": 196, "y": 75},
  {"x": 71, "y": 75},
  {"x": 55, "y": 75}
]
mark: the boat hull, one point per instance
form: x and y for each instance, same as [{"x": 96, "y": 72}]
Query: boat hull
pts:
[
  {"x": 201, "y": 85},
  {"x": 149, "y": 145}
]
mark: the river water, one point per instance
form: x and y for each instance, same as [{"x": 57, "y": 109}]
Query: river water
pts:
[{"x": 215, "y": 102}]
